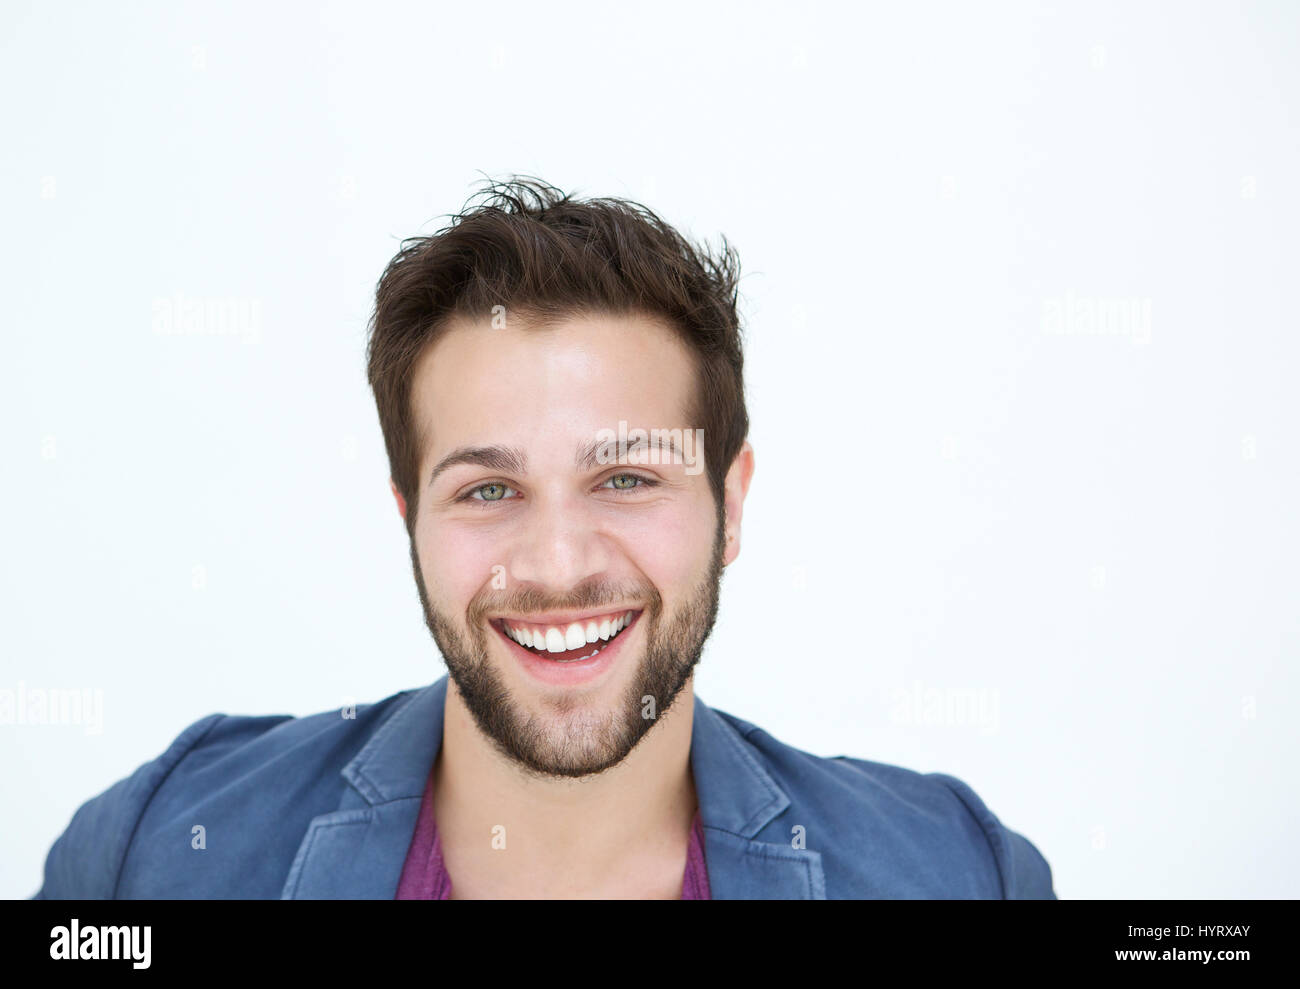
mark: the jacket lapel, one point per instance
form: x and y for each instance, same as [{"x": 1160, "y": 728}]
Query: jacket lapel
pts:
[
  {"x": 738, "y": 798},
  {"x": 357, "y": 851}
]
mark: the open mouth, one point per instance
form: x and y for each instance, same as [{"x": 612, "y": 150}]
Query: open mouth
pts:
[{"x": 569, "y": 643}]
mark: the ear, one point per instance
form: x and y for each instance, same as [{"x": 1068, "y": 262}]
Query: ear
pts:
[
  {"x": 736, "y": 487},
  {"x": 401, "y": 502}
]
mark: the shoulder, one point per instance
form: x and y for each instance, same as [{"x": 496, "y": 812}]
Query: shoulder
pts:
[
  {"x": 888, "y": 831},
  {"x": 83, "y": 861},
  {"x": 219, "y": 753}
]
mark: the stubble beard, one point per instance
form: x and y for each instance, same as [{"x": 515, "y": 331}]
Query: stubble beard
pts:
[{"x": 573, "y": 740}]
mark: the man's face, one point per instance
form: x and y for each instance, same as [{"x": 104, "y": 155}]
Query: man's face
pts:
[{"x": 533, "y": 541}]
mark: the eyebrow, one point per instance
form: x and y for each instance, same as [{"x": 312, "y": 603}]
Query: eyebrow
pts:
[
  {"x": 512, "y": 460},
  {"x": 503, "y": 458}
]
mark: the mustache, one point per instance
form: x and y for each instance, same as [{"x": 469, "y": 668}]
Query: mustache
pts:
[{"x": 587, "y": 596}]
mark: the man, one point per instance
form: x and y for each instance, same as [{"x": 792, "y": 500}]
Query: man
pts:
[{"x": 560, "y": 390}]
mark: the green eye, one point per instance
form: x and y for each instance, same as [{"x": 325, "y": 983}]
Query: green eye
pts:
[
  {"x": 492, "y": 492},
  {"x": 631, "y": 480}
]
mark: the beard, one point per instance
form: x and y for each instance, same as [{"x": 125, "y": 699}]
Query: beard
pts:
[{"x": 576, "y": 741}]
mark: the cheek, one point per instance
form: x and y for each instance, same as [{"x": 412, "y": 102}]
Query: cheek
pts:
[
  {"x": 670, "y": 548},
  {"x": 457, "y": 564}
]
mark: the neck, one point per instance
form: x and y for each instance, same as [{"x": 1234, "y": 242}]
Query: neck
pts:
[{"x": 571, "y": 833}]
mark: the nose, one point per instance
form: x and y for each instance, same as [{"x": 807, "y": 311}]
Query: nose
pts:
[{"x": 558, "y": 545}]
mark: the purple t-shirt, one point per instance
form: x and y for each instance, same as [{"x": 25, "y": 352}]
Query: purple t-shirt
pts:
[{"x": 424, "y": 876}]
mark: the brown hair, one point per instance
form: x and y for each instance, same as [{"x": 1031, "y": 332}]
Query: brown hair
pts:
[{"x": 547, "y": 257}]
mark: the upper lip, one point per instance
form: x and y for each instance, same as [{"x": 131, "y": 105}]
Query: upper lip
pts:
[{"x": 560, "y": 619}]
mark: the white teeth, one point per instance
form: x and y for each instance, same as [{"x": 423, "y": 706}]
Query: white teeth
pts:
[
  {"x": 575, "y": 637},
  {"x": 572, "y": 637}
]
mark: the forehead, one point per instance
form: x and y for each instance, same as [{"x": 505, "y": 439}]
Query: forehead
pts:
[{"x": 550, "y": 388}]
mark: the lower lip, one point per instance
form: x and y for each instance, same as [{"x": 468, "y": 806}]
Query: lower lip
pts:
[{"x": 572, "y": 673}]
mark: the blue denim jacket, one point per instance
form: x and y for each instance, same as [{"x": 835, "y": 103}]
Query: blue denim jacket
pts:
[{"x": 323, "y": 807}]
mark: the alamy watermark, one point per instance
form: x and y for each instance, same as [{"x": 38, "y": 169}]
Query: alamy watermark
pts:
[
  {"x": 23, "y": 705},
  {"x": 1080, "y": 315},
  {"x": 949, "y": 707},
  {"x": 77, "y": 943},
  {"x": 184, "y": 315},
  {"x": 651, "y": 446}
]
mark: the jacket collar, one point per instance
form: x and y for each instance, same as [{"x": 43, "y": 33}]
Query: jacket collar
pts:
[{"x": 358, "y": 850}]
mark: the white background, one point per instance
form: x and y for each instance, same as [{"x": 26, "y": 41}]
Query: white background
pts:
[{"x": 1093, "y": 534}]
